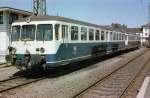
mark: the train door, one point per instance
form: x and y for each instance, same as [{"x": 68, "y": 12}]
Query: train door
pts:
[
  {"x": 108, "y": 39},
  {"x": 65, "y": 39},
  {"x": 126, "y": 40}
]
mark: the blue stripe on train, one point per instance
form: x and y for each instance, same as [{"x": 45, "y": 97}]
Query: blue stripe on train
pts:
[{"x": 75, "y": 50}]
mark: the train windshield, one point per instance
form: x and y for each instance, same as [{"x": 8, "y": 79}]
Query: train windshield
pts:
[
  {"x": 44, "y": 32},
  {"x": 15, "y": 34},
  {"x": 28, "y": 33}
]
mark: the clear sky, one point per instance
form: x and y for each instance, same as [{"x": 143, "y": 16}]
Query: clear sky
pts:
[{"x": 134, "y": 13}]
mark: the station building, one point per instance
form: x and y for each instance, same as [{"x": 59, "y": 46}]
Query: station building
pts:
[
  {"x": 146, "y": 32},
  {"x": 7, "y": 16}
]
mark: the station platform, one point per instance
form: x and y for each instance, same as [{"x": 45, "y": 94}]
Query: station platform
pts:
[{"x": 145, "y": 88}]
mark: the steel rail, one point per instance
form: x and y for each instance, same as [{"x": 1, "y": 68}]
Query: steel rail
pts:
[
  {"x": 107, "y": 76},
  {"x": 9, "y": 86},
  {"x": 144, "y": 65}
]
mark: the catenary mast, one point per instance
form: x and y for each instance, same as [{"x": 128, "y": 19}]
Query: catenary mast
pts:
[
  {"x": 149, "y": 25},
  {"x": 39, "y": 7}
]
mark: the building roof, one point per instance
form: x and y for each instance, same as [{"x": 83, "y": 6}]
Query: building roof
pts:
[
  {"x": 126, "y": 30},
  {"x": 133, "y": 30},
  {"x": 146, "y": 25},
  {"x": 15, "y": 10}
]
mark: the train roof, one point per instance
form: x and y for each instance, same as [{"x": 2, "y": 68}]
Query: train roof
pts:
[
  {"x": 59, "y": 18},
  {"x": 64, "y": 19},
  {"x": 69, "y": 20}
]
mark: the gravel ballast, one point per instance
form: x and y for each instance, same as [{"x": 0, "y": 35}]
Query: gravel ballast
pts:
[
  {"x": 7, "y": 72},
  {"x": 71, "y": 84}
]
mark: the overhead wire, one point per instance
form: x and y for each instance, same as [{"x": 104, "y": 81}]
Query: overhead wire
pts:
[{"x": 143, "y": 9}]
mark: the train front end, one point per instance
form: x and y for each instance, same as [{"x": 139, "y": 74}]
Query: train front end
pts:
[{"x": 31, "y": 44}]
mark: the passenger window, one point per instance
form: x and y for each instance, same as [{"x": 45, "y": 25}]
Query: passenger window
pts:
[
  {"x": 124, "y": 37},
  {"x": 91, "y": 34},
  {"x": 117, "y": 36},
  {"x": 120, "y": 37},
  {"x": 15, "y": 34},
  {"x": 102, "y": 35},
  {"x": 57, "y": 26},
  {"x": 44, "y": 32},
  {"x": 74, "y": 33},
  {"x": 111, "y": 36},
  {"x": 114, "y": 36},
  {"x": 1, "y": 17},
  {"x": 97, "y": 35},
  {"x": 83, "y": 33},
  {"x": 106, "y": 35},
  {"x": 64, "y": 31}
]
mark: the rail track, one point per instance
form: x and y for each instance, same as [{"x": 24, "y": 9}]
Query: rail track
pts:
[
  {"x": 17, "y": 81},
  {"x": 117, "y": 83},
  {"x": 133, "y": 88},
  {"x": 1, "y": 64},
  {"x": 4, "y": 65}
]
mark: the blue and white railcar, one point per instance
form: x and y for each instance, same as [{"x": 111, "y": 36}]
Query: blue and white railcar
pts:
[
  {"x": 132, "y": 41},
  {"x": 51, "y": 41}
]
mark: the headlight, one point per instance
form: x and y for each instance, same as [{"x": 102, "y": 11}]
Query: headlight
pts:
[
  {"x": 42, "y": 50},
  {"x": 27, "y": 51},
  {"x": 37, "y": 49}
]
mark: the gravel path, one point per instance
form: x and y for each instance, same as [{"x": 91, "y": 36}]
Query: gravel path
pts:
[{"x": 71, "y": 84}]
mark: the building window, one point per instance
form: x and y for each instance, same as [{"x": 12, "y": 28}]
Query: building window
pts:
[
  {"x": 1, "y": 17},
  {"x": 102, "y": 35},
  {"x": 97, "y": 35},
  {"x": 13, "y": 17},
  {"x": 83, "y": 33},
  {"x": 57, "y": 31},
  {"x": 74, "y": 33},
  {"x": 24, "y": 16}
]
